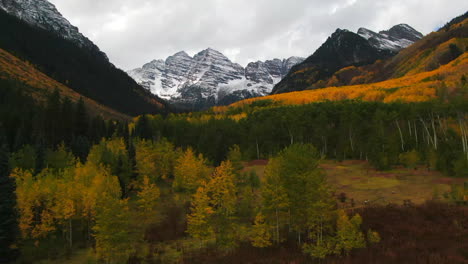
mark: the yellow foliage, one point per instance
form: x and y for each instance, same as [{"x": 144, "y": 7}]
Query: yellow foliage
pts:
[
  {"x": 411, "y": 88},
  {"x": 190, "y": 171}
]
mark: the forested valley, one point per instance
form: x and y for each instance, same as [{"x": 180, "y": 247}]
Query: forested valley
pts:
[
  {"x": 357, "y": 154},
  {"x": 176, "y": 188}
]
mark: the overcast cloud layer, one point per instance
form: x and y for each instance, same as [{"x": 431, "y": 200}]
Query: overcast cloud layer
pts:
[{"x": 133, "y": 32}]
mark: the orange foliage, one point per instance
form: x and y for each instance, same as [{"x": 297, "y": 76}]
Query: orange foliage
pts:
[
  {"x": 413, "y": 88},
  {"x": 15, "y": 69}
]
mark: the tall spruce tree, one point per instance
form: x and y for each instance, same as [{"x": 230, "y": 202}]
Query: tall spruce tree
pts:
[{"x": 8, "y": 217}]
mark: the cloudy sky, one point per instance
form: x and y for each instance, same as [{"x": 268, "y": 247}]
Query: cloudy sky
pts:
[{"x": 133, "y": 32}]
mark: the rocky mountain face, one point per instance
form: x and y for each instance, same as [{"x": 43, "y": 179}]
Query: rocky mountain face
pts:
[
  {"x": 209, "y": 78},
  {"x": 394, "y": 39},
  {"x": 43, "y": 14},
  {"x": 345, "y": 48}
]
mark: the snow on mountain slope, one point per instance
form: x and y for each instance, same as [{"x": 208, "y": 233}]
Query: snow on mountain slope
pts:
[
  {"x": 394, "y": 39},
  {"x": 210, "y": 78}
]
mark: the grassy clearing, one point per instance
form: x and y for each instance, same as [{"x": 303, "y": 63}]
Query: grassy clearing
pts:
[{"x": 365, "y": 185}]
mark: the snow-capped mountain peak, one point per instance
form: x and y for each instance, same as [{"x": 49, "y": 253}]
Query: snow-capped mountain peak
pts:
[
  {"x": 396, "y": 38},
  {"x": 209, "y": 78},
  {"x": 43, "y": 14}
]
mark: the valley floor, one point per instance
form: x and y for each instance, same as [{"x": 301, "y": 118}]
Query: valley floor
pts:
[{"x": 361, "y": 185}]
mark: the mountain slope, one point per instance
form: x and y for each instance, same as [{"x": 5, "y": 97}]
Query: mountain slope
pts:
[
  {"x": 84, "y": 69},
  {"x": 431, "y": 52},
  {"x": 209, "y": 78},
  {"x": 342, "y": 49},
  {"x": 434, "y": 67},
  {"x": 41, "y": 85},
  {"x": 419, "y": 87}
]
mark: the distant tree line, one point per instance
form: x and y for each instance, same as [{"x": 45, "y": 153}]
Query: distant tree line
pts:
[{"x": 428, "y": 133}]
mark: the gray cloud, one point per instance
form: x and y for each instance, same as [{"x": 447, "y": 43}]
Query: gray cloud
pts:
[{"x": 133, "y": 32}]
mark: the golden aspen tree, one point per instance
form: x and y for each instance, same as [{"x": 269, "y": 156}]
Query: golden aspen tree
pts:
[
  {"x": 222, "y": 189},
  {"x": 155, "y": 160},
  {"x": 261, "y": 232},
  {"x": 349, "y": 236},
  {"x": 199, "y": 224},
  {"x": 189, "y": 172},
  {"x": 67, "y": 202},
  {"x": 25, "y": 199},
  {"x": 275, "y": 198},
  {"x": 147, "y": 202}
]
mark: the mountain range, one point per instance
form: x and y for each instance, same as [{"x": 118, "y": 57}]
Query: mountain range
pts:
[{"x": 209, "y": 78}]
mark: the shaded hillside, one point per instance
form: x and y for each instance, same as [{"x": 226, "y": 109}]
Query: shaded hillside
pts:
[
  {"x": 41, "y": 85},
  {"x": 342, "y": 49},
  {"x": 87, "y": 72}
]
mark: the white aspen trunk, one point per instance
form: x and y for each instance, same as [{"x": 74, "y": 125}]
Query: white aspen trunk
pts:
[
  {"x": 401, "y": 136},
  {"x": 442, "y": 127},
  {"x": 416, "y": 133},
  {"x": 291, "y": 137},
  {"x": 435, "y": 133},
  {"x": 463, "y": 135},
  {"x": 429, "y": 137}
]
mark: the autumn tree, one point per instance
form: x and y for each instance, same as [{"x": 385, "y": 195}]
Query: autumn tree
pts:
[
  {"x": 154, "y": 160},
  {"x": 349, "y": 235},
  {"x": 410, "y": 159},
  {"x": 147, "y": 201},
  {"x": 261, "y": 232},
  {"x": 275, "y": 198},
  {"x": 190, "y": 171},
  {"x": 295, "y": 185},
  {"x": 199, "y": 223},
  {"x": 214, "y": 208}
]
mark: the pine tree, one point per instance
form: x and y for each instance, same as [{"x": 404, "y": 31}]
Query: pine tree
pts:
[
  {"x": 81, "y": 119},
  {"x": 8, "y": 216}
]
